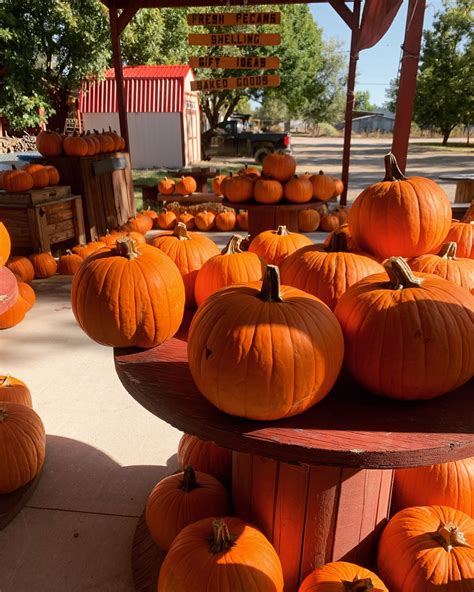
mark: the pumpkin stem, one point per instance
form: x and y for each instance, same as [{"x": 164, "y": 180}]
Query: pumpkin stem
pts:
[
  {"x": 448, "y": 250},
  {"x": 400, "y": 274},
  {"x": 392, "y": 172},
  {"x": 270, "y": 291},
  {"x": 189, "y": 480},
  {"x": 321, "y": 172},
  {"x": 127, "y": 248},
  {"x": 338, "y": 243},
  {"x": 233, "y": 246},
  {"x": 221, "y": 540},
  {"x": 69, "y": 252},
  {"x": 450, "y": 536},
  {"x": 181, "y": 232},
  {"x": 282, "y": 231},
  {"x": 5, "y": 380},
  {"x": 362, "y": 585}
]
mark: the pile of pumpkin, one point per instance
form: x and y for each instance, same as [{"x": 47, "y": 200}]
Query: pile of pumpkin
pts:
[
  {"x": 185, "y": 186},
  {"x": 32, "y": 176},
  {"x": 50, "y": 143},
  {"x": 204, "y": 217}
]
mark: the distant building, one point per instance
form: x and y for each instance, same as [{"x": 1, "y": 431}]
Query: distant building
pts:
[{"x": 366, "y": 122}]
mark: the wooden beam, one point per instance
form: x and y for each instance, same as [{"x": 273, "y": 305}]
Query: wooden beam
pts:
[
  {"x": 127, "y": 14},
  {"x": 186, "y": 3},
  {"x": 117, "y": 62},
  {"x": 345, "y": 13}
]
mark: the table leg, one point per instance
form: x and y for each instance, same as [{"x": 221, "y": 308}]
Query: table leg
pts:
[
  {"x": 271, "y": 219},
  {"x": 312, "y": 515},
  {"x": 464, "y": 191}
]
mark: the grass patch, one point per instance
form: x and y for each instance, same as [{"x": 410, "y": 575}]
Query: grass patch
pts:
[{"x": 458, "y": 147}]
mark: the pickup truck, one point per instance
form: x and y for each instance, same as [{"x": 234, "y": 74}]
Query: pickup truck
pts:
[{"x": 229, "y": 138}]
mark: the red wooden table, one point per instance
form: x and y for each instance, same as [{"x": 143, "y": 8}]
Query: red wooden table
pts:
[{"x": 318, "y": 484}]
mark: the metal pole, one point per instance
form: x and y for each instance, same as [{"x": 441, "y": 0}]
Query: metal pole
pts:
[{"x": 117, "y": 62}]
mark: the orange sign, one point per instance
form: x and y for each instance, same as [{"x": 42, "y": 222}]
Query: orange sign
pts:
[
  {"x": 231, "y": 19},
  {"x": 242, "y": 63},
  {"x": 240, "y": 39},
  {"x": 258, "y": 81}
]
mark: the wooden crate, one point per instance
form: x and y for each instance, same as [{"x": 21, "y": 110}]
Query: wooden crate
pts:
[
  {"x": 37, "y": 227},
  {"x": 105, "y": 184},
  {"x": 35, "y": 196}
]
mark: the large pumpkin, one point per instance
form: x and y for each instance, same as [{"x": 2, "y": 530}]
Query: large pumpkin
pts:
[
  {"x": 447, "y": 266},
  {"x": 17, "y": 181},
  {"x": 8, "y": 289},
  {"x": 233, "y": 266},
  {"x": 427, "y": 549},
  {"x": 447, "y": 484},
  {"x": 223, "y": 555},
  {"x": 462, "y": 233},
  {"x": 180, "y": 500},
  {"x": 5, "y": 244},
  {"x": 341, "y": 576},
  {"x": 400, "y": 216},
  {"x": 408, "y": 336},
  {"x": 69, "y": 263},
  {"x": 324, "y": 186},
  {"x": 189, "y": 251},
  {"x": 205, "y": 456},
  {"x": 327, "y": 271},
  {"x": 49, "y": 143},
  {"x": 44, "y": 265},
  {"x": 129, "y": 296},
  {"x": 279, "y": 166},
  {"x": 275, "y": 245},
  {"x": 242, "y": 366},
  {"x": 22, "y": 446},
  {"x": 13, "y": 390},
  {"x": 15, "y": 313},
  {"x": 239, "y": 188}
]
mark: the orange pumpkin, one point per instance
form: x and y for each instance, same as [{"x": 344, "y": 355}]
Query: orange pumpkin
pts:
[
  {"x": 341, "y": 576},
  {"x": 239, "y": 188},
  {"x": 205, "y": 220},
  {"x": 298, "y": 190},
  {"x": 137, "y": 237},
  {"x": 109, "y": 239},
  {"x": 251, "y": 172},
  {"x": 284, "y": 328},
  {"x": 338, "y": 187},
  {"x": 5, "y": 244},
  {"x": 330, "y": 222},
  {"x": 91, "y": 145},
  {"x": 27, "y": 293},
  {"x": 49, "y": 143},
  {"x": 166, "y": 186},
  {"x": 15, "y": 313},
  {"x": 23, "y": 444},
  {"x": 216, "y": 184},
  {"x": 21, "y": 267},
  {"x": 69, "y": 263},
  {"x": 428, "y": 548},
  {"x": 182, "y": 499},
  {"x": 308, "y": 220},
  {"x": 342, "y": 214},
  {"x": 75, "y": 146},
  {"x": 108, "y": 141},
  {"x": 151, "y": 214},
  {"x": 40, "y": 178},
  {"x": 129, "y": 296},
  {"x": 345, "y": 229},
  {"x": 17, "y": 181},
  {"x": 205, "y": 456},
  {"x": 233, "y": 266},
  {"x": 274, "y": 246},
  {"x": 167, "y": 220},
  {"x": 13, "y": 390},
  {"x": 189, "y": 251},
  {"x": 186, "y": 186},
  {"x": 53, "y": 175},
  {"x": 187, "y": 219},
  {"x": 243, "y": 220},
  {"x": 402, "y": 337},
  {"x": 199, "y": 553},
  {"x": 139, "y": 223},
  {"x": 226, "y": 220},
  {"x": 85, "y": 250},
  {"x": 44, "y": 265},
  {"x": 32, "y": 168},
  {"x": 323, "y": 185},
  {"x": 400, "y": 216},
  {"x": 279, "y": 166},
  {"x": 93, "y": 139},
  {"x": 268, "y": 191},
  {"x": 462, "y": 233}
]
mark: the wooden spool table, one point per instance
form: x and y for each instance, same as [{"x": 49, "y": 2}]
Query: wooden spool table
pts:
[{"x": 319, "y": 484}]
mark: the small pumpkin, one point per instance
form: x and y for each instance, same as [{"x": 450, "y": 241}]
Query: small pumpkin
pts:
[
  {"x": 345, "y": 229},
  {"x": 187, "y": 219},
  {"x": 226, "y": 220},
  {"x": 342, "y": 213},
  {"x": 205, "y": 456},
  {"x": 216, "y": 184},
  {"x": 137, "y": 237},
  {"x": 298, "y": 190},
  {"x": 308, "y": 220},
  {"x": 462, "y": 233},
  {"x": 117, "y": 140},
  {"x": 91, "y": 144},
  {"x": 40, "y": 178},
  {"x": 15, "y": 314},
  {"x": 49, "y": 143},
  {"x": 5, "y": 244},
  {"x": 251, "y": 172},
  {"x": 53, "y": 173},
  {"x": 338, "y": 187},
  {"x": 340, "y": 576},
  {"x": 139, "y": 223},
  {"x": 27, "y": 293},
  {"x": 109, "y": 239},
  {"x": 85, "y": 250},
  {"x": 279, "y": 166},
  {"x": 180, "y": 500},
  {"x": 323, "y": 186},
  {"x": 239, "y": 188},
  {"x": 167, "y": 186},
  {"x": 273, "y": 246},
  {"x": 186, "y": 186},
  {"x": 94, "y": 140},
  {"x": 151, "y": 214},
  {"x": 242, "y": 220},
  {"x": 22, "y": 268},
  {"x": 330, "y": 222},
  {"x": 44, "y": 264},
  {"x": 69, "y": 263},
  {"x": 196, "y": 558},
  {"x": 431, "y": 547},
  {"x": 167, "y": 220},
  {"x": 75, "y": 146},
  {"x": 107, "y": 141},
  {"x": 8, "y": 289},
  {"x": 268, "y": 191},
  {"x": 13, "y": 390},
  {"x": 205, "y": 220},
  {"x": 23, "y": 445},
  {"x": 232, "y": 266},
  {"x": 16, "y": 181}
]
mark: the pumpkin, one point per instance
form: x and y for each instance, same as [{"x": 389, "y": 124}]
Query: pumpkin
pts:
[
  {"x": 49, "y": 143},
  {"x": 345, "y": 229},
  {"x": 22, "y": 268},
  {"x": 205, "y": 220},
  {"x": 75, "y": 146},
  {"x": 17, "y": 181},
  {"x": 400, "y": 216},
  {"x": 166, "y": 186},
  {"x": 279, "y": 166},
  {"x": 137, "y": 237},
  {"x": 15, "y": 313},
  {"x": 186, "y": 186},
  {"x": 139, "y": 223},
  {"x": 167, "y": 220},
  {"x": 223, "y": 555},
  {"x": 275, "y": 245},
  {"x": 233, "y": 266},
  {"x": 94, "y": 140},
  {"x": 239, "y": 188},
  {"x": 180, "y": 500},
  {"x": 5, "y": 244},
  {"x": 53, "y": 174},
  {"x": 109, "y": 239},
  {"x": 226, "y": 220},
  {"x": 27, "y": 293},
  {"x": 341, "y": 576},
  {"x": 216, "y": 184},
  {"x": 327, "y": 271},
  {"x": 342, "y": 213},
  {"x": 151, "y": 214},
  {"x": 308, "y": 220},
  {"x": 32, "y": 168},
  {"x": 44, "y": 265},
  {"x": 91, "y": 144},
  {"x": 268, "y": 191},
  {"x": 23, "y": 444},
  {"x": 323, "y": 185},
  {"x": 298, "y": 190},
  {"x": 13, "y": 390},
  {"x": 107, "y": 141},
  {"x": 242, "y": 220},
  {"x": 117, "y": 140},
  {"x": 189, "y": 251},
  {"x": 427, "y": 548},
  {"x": 69, "y": 263},
  {"x": 284, "y": 328},
  {"x": 187, "y": 219},
  {"x": 223, "y": 184},
  {"x": 447, "y": 484},
  {"x": 462, "y": 233},
  {"x": 330, "y": 222},
  {"x": 129, "y": 296},
  {"x": 408, "y": 336},
  {"x": 251, "y": 172},
  {"x": 85, "y": 250},
  {"x": 40, "y": 178},
  {"x": 205, "y": 456},
  {"x": 338, "y": 187},
  {"x": 8, "y": 289},
  {"x": 447, "y": 266}
]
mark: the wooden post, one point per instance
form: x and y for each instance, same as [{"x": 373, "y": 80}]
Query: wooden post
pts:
[
  {"x": 354, "y": 56},
  {"x": 117, "y": 61},
  {"x": 407, "y": 84}
]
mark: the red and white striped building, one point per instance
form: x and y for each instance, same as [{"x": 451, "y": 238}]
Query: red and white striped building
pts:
[{"x": 163, "y": 113}]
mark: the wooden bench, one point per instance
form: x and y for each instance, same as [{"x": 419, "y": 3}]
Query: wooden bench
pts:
[{"x": 464, "y": 187}]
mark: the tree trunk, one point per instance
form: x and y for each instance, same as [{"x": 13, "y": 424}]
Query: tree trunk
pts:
[{"x": 446, "y": 133}]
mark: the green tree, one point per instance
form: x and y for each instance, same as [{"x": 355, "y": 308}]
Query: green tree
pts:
[
  {"x": 142, "y": 39},
  {"x": 272, "y": 108},
  {"x": 362, "y": 101}
]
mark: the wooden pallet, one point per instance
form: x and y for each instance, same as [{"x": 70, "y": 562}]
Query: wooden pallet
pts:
[{"x": 35, "y": 196}]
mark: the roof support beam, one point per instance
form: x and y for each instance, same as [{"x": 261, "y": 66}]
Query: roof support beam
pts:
[
  {"x": 345, "y": 13},
  {"x": 127, "y": 14}
]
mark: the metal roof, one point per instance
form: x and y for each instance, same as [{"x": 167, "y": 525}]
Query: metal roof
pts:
[{"x": 152, "y": 71}]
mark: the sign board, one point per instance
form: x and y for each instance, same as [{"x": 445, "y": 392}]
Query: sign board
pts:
[
  {"x": 232, "y": 19},
  {"x": 242, "y": 63},
  {"x": 217, "y": 39},
  {"x": 254, "y": 81}
]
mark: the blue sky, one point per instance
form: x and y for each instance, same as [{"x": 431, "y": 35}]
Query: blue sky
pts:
[{"x": 378, "y": 65}]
